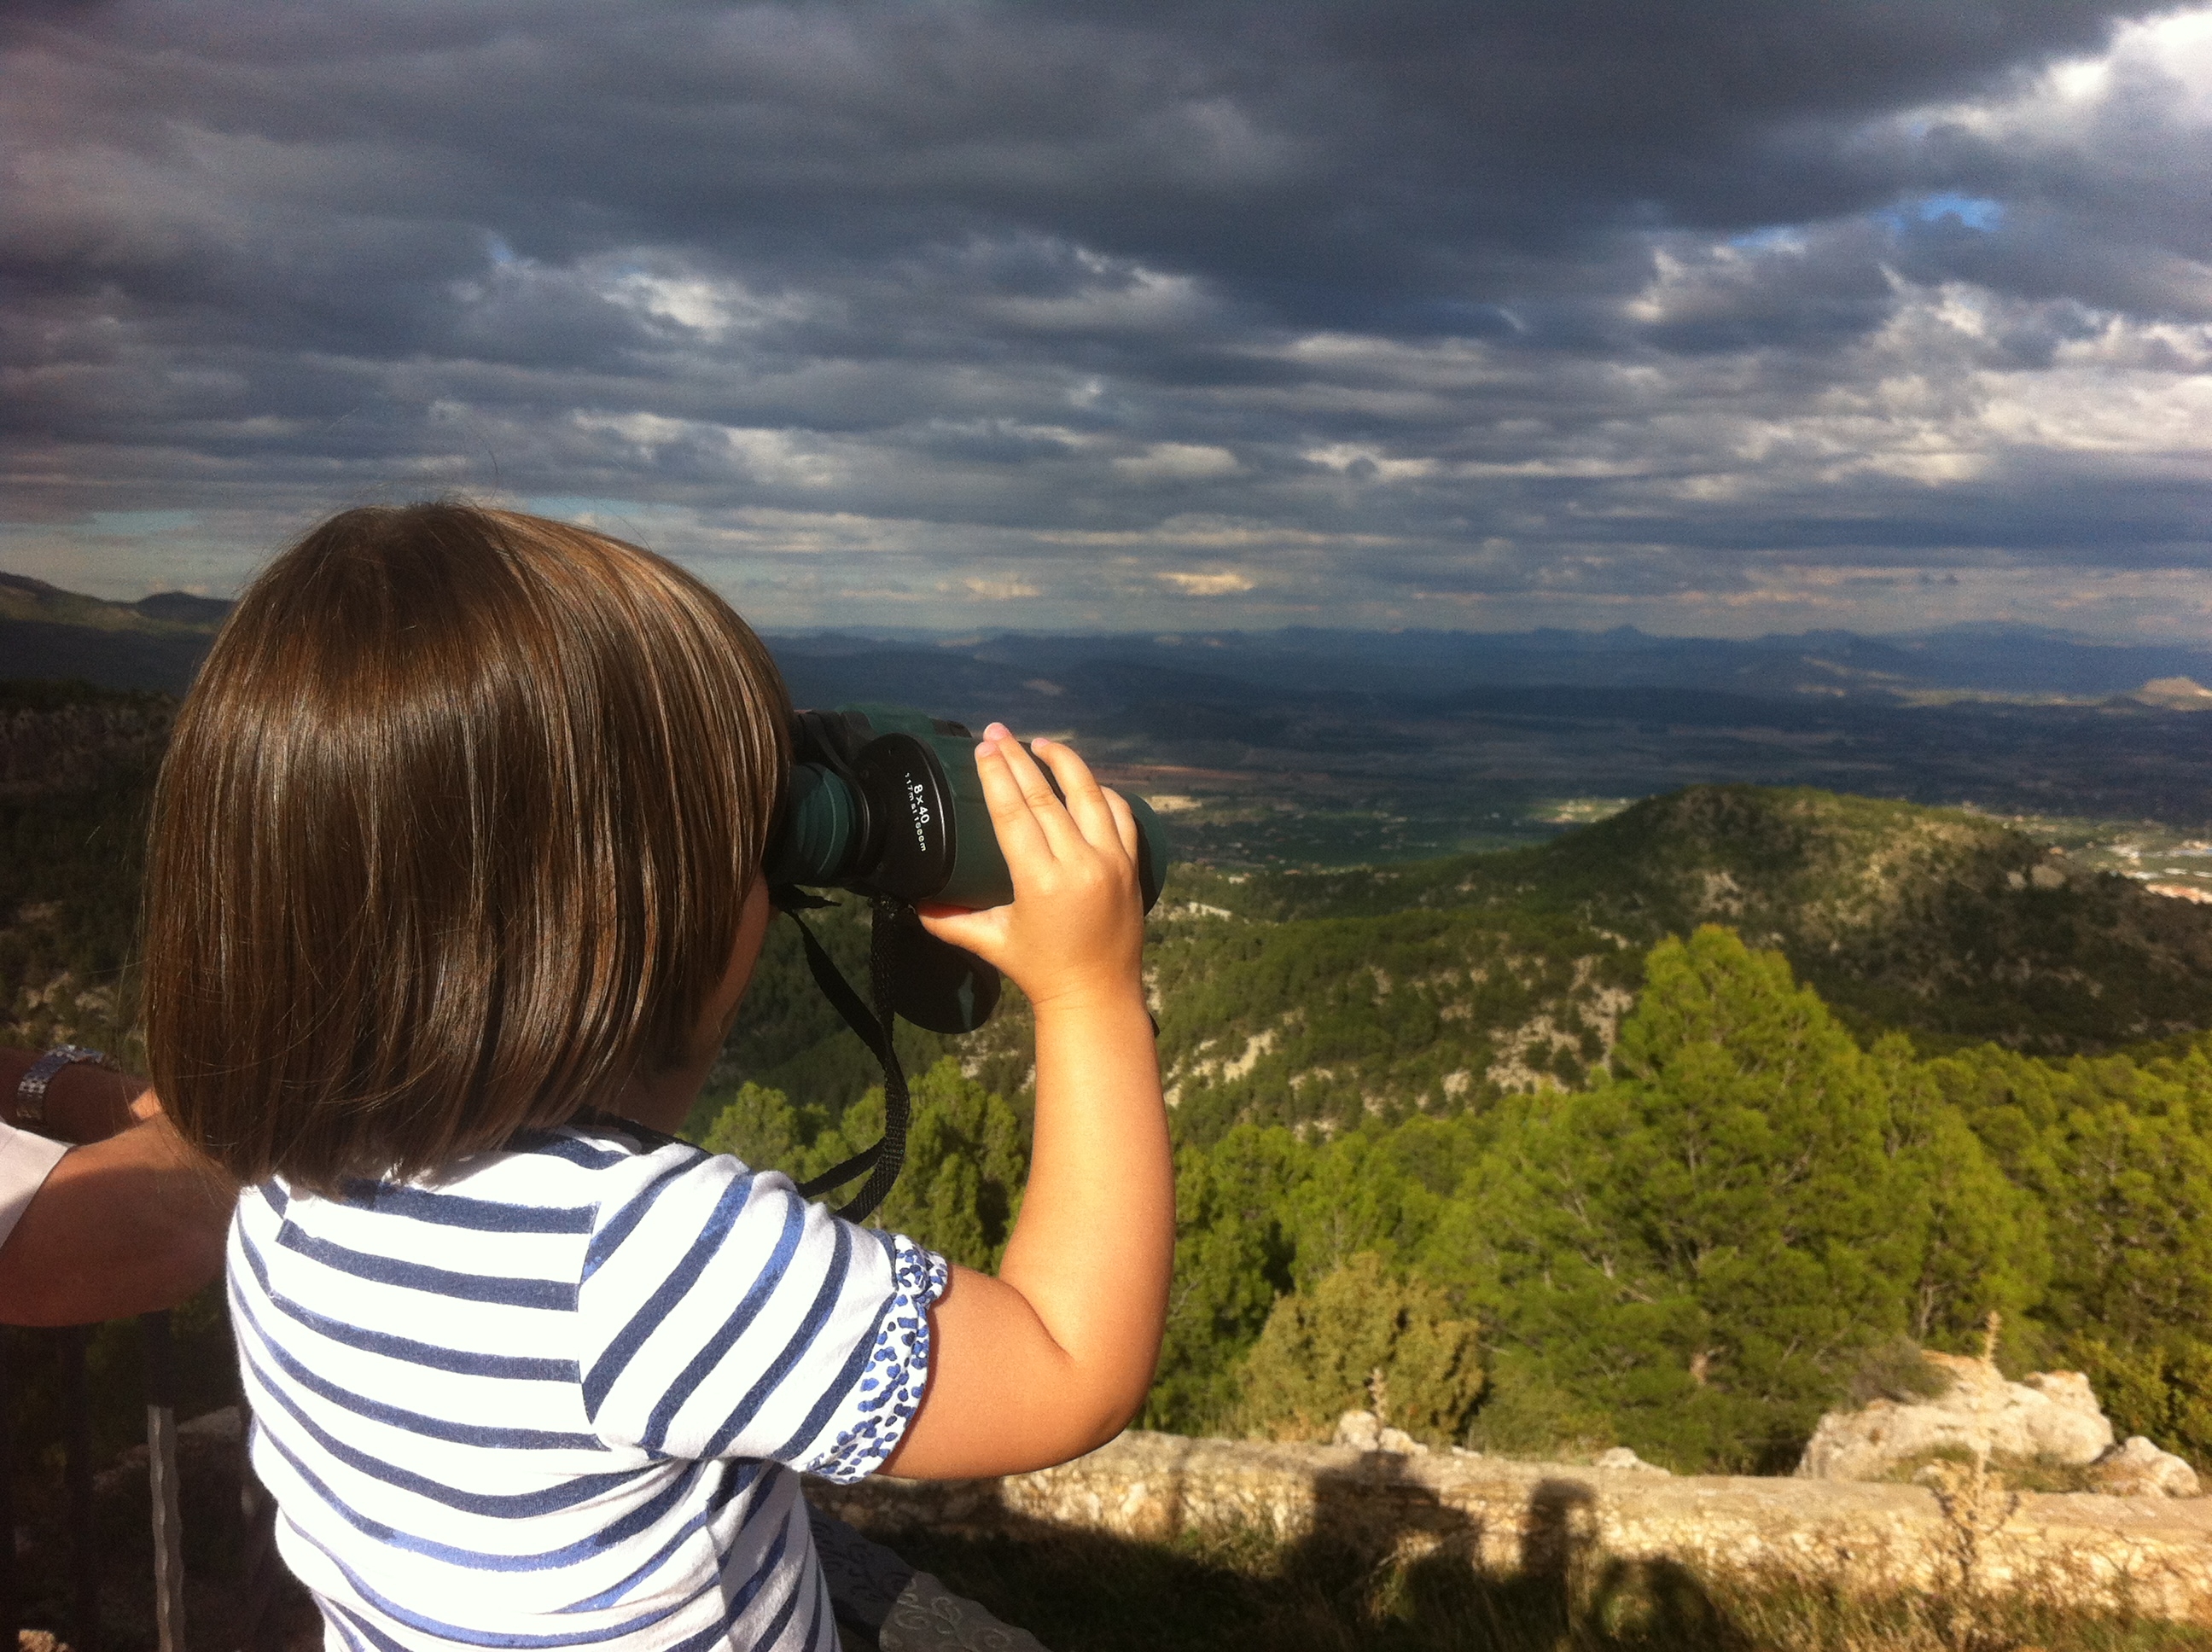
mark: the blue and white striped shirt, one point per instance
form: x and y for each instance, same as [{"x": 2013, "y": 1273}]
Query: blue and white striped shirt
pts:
[{"x": 556, "y": 1396}]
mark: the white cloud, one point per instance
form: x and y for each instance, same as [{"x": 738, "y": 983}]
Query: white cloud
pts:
[
  {"x": 780, "y": 457},
  {"x": 1001, "y": 589},
  {"x": 1225, "y": 584},
  {"x": 708, "y": 306},
  {"x": 1114, "y": 298},
  {"x": 1368, "y": 464},
  {"x": 1177, "y": 461}
]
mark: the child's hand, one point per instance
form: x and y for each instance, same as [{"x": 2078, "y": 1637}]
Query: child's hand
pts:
[{"x": 1076, "y": 926}]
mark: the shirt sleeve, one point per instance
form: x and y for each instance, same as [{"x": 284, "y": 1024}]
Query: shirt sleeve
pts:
[
  {"x": 25, "y": 1160},
  {"x": 722, "y": 1315}
]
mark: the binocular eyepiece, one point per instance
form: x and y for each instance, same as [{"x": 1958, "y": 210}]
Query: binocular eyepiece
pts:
[{"x": 886, "y": 802}]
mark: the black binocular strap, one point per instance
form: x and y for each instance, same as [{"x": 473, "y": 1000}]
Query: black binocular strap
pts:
[{"x": 881, "y": 1160}]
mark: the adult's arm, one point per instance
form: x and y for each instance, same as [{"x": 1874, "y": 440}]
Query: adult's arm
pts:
[
  {"x": 83, "y": 1102},
  {"x": 132, "y": 1220}
]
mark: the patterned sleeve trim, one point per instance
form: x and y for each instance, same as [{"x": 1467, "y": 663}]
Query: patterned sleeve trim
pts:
[{"x": 891, "y": 1387}]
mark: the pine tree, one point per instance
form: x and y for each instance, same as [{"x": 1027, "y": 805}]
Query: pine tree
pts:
[
  {"x": 1981, "y": 1240},
  {"x": 1702, "y": 1245},
  {"x": 758, "y": 1124},
  {"x": 967, "y": 1161},
  {"x": 2131, "y": 1206},
  {"x": 1232, "y": 1261}
]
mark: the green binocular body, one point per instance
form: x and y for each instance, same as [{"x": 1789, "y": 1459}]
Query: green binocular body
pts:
[{"x": 886, "y": 802}]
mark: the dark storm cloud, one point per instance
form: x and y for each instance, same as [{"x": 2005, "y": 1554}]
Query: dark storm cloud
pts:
[{"x": 1276, "y": 310}]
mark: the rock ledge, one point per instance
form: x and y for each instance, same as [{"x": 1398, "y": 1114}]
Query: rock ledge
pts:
[{"x": 2081, "y": 1549}]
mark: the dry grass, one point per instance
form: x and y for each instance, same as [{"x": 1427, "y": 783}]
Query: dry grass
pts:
[{"x": 2041, "y": 1474}]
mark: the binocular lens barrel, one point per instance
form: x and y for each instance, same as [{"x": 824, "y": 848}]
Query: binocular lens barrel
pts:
[{"x": 907, "y": 819}]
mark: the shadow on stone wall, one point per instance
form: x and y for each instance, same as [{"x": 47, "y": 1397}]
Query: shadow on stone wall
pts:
[
  {"x": 1422, "y": 1570},
  {"x": 1385, "y": 1564},
  {"x": 1283, "y": 1534}
]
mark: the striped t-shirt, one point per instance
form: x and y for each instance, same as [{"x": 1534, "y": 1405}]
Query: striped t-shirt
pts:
[{"x": 557, "y": 1396}]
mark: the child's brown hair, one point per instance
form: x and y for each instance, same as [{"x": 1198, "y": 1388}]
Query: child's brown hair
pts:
[{"x": 451, "y": 838}]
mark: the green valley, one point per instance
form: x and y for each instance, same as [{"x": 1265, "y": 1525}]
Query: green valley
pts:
[{"x": 1668, "y": 1132}]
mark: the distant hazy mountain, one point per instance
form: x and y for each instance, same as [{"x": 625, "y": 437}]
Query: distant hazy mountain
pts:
[
  {"x": 1988, "y": 660},
  {"x": 156, "y": 643}
]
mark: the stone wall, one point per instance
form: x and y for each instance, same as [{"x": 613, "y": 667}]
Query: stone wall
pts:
[{"x": 2154, "y": 1552}]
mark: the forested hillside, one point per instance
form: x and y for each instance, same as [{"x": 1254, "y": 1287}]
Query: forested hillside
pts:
[
  {"x": 1571, "y": 1165},
  {"x": 1742, "y": 1217},
  {"x": 1326, "y": 998},
  {"x": 1669, "y": 1132},
  {"x": 1942, "y": 923}
]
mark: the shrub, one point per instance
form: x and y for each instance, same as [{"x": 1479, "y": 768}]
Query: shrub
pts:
[
  {"x": 1526, "y": 1412},
  {"x": 2163, "y": 1393},
  {"x": 1897, "y": 1370},
  {"x": 1316, "y": 1358}
]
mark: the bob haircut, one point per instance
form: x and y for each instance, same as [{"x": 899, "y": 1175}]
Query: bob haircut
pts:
[{"x": 452, "y": 837}]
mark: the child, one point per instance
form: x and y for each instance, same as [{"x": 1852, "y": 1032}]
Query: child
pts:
[{"x": 455, "y": 890}]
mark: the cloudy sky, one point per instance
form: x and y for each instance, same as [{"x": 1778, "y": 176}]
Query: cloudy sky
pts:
[{"x": 1717, "y": 316}]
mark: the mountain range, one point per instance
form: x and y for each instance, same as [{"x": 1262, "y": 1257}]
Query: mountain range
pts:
[
  {"x": 47, "y": 631},
  {"x": 1305, "y": 745}
]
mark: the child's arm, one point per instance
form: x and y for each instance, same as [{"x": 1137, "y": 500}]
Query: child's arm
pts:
[{"x": 1054, "y": 1356}]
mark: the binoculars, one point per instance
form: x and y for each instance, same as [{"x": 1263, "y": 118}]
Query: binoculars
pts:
[{"x": 886, "y": 802}]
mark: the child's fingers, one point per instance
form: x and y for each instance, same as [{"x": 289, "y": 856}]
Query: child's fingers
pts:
[
  {"x": 1012, "y": 816},
  {"x": 1060, "y": 834},
  {"x": 1125, "y": 824},
  {"x": 1086, "y": 801}
]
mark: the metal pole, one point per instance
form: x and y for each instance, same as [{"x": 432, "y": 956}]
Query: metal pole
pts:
[
  {"x": 84, "y": 1535},
  {"x": 11, "y": 1605},
  {"x": 161, "y": 1478}
]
